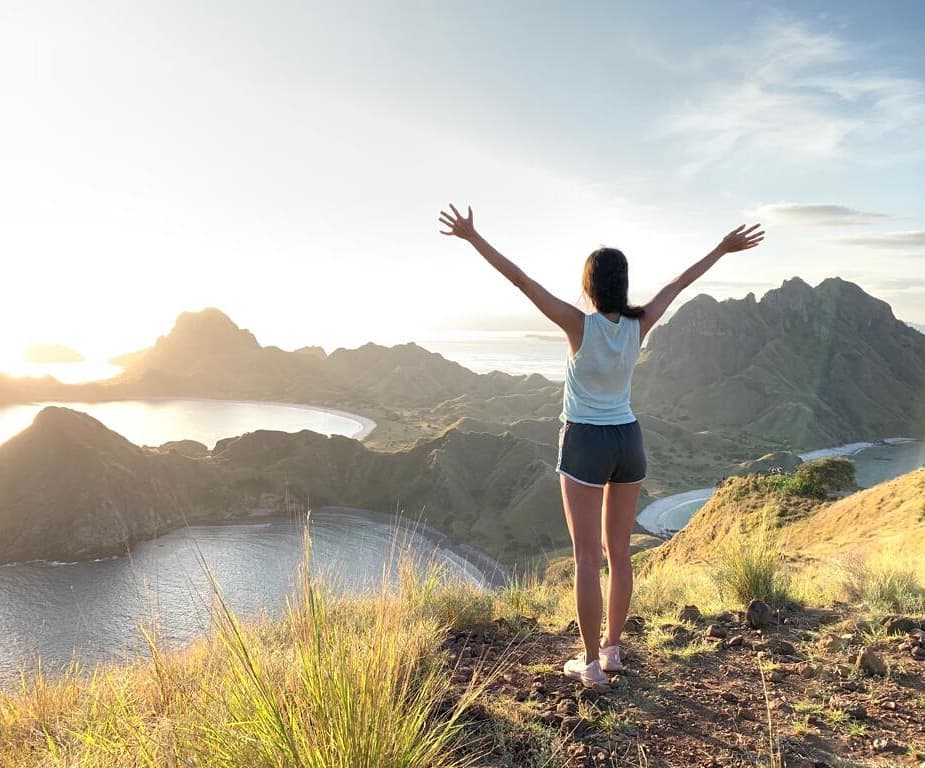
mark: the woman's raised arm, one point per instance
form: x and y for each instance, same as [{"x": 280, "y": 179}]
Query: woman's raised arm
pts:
[
  {"x": 740, "y": 239},
  {"x": 568, "y": 317}
]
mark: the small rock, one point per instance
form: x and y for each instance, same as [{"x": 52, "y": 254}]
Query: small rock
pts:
[
  {"x": 830, "y": 643},
  {"x": 689, "y": 613},
  {"x": 882, "y": 744},
  {"x": 918, "y": 652},
  {"x": 871, "y": 662},
  {"x": 807, "y": 669},
  {"x": 570, "y": 724},
  {"x": 848, "y": 707},
  {"x": 780, "y": 706},
  {"x": 757, "y": 614},
  {"x": 899, "y": 625},
  {"x": 729, "y": 696},
  {"x": 727, "y": 617},
  {"x": 634, "y": 624},
  {"x": 735, "y": 641},
  {"x": 845, "y": 670},
  {"x": 520, "y": 695},
  {"x": 781, "y": 647},
  {"x": 538, "y": 688},
  {"x": 889, "y": 704},
  {"x": 777, "y": 675},
  {"x": 679, "y": 633},
  {"x": 717, "y": 630},
  {"x": 567, "y": 707},
  {"x": 745, "y": 714}
]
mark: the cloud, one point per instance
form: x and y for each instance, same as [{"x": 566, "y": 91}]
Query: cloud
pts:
[
  {"x": 898, "y": 284},
  {"x": 914, "y": 240},
  {"x": 794, "y": 95},
  {"x": 815, "y": 214}
]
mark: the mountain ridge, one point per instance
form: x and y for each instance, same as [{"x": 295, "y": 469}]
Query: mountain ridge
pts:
[
  {"x": 804, "y": 367},
  {"x": 71, "y": 489}
]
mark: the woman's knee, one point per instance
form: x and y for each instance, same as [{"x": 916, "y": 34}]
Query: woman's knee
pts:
[
  {"x": 588, "y": 558},
  {"x": 617, "y": 552}
]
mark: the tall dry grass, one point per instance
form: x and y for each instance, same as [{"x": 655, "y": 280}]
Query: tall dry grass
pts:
[{"x": 334, "y": 682}]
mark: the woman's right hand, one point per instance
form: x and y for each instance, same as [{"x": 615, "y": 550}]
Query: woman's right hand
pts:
[
  {"x": 457, "y": 224},
  {"x": 741, "y": 239}
]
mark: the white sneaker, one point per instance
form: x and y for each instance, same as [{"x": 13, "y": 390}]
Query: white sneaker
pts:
[
  {"x": 610, "y": 659},
  {"x": 591, "y": 675}
]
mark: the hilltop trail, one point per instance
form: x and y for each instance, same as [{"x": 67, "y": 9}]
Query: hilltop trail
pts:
[{"x": 698, "y": 700}]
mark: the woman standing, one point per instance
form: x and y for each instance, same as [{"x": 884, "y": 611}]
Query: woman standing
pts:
[{"x": 602, "y": 461}]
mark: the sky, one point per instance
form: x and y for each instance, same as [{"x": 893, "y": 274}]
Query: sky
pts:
[{"x": 286, "y": 161}]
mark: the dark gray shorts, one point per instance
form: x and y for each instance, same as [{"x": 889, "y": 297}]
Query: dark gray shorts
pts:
[{"x": 597, "y": 454}]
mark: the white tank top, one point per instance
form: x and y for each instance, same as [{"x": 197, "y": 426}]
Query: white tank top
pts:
[{"x": 598, "y": 376}]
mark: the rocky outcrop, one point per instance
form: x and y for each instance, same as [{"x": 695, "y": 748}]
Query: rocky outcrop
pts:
[
  {"x": 806, "y": 367},
  {"x": 72, "y": 489}
]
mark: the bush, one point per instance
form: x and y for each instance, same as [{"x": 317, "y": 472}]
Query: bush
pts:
[
  {"x": 751, "y": 566},
  {"x": 816, "y": 478}
]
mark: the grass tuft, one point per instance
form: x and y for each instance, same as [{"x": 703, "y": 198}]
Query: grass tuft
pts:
[{"x": 751, "y": 566}]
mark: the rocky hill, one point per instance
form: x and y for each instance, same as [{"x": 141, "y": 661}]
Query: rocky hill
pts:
[
  {"x": 207, "y": 355},
  {"x": 71, "y": 489},
  {"x": 804, "y": 367},
  {"x": 718, "y": 385}
]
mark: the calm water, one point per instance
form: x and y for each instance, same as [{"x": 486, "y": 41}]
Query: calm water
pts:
[
  {"x": 157, "y": 421},
  {"x": 94, "y": 608},
  {"x": 873, "y": 464},
  {"x": 514, "y": 352}
]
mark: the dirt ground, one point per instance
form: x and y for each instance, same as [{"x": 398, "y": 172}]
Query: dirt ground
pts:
[{"x": 690, "y": 699}]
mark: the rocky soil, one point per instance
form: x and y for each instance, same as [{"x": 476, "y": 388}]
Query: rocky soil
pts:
[{"x": 814, "y": 688}]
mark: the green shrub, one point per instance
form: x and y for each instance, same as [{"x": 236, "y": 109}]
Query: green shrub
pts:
[{"x": 816, "y": 478}]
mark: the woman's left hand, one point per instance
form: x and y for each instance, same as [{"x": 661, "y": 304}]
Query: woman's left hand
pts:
[{"x": 457, "y": 224}]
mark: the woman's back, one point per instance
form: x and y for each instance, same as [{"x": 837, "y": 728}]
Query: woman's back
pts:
[{"x": 599, "y": 375}]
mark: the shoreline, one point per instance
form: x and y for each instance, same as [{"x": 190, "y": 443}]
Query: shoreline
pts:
[
  {"x": 366, "y": 425},
  {"x": 650, "y": 517},
  {"x": 491, "y": 573}
]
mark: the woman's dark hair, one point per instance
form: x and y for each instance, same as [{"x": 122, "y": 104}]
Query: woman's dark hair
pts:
[{"x": 606, "y": 282}]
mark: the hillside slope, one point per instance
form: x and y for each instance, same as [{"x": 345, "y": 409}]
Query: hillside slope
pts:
[
  {"x": 888, "y": 518},
  {"x": 70, "y": 488},
  {"x": 804, "y": 367}
]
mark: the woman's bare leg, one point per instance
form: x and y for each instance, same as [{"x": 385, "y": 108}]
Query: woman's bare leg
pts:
[
  {"x": 582, "y": 505},
  {"x": 619, "y": 512}
]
